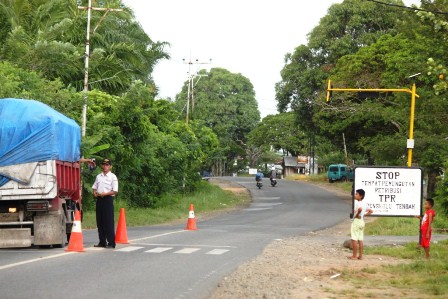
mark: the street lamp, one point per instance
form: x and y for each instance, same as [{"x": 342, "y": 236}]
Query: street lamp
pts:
[{"x": 89, "y": 9}]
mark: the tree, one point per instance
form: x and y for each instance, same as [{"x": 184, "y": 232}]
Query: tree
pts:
[
  {"x": 49, "y": 37},
  {"x": 279, "y": 132},
  {"x": 224, "y": 102},
  {"x": 346, "y": 28}
]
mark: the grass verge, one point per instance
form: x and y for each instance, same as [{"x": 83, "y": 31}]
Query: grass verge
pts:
[
  {"x": 321, "y": 179},
  {"x": 174, "y": 207},
  {"x": 416, "y": 279}
]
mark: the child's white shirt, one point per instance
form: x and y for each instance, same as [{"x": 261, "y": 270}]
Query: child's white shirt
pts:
[{"x": 360, "y": 204}]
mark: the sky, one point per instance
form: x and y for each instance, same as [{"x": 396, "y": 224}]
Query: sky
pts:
[{"x": 243, "y": 36}]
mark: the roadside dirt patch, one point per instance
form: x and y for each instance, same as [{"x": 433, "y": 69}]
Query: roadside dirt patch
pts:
[{"x": 311, "y": 266}]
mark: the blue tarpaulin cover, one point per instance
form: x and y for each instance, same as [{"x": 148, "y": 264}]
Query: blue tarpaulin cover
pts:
[{"x": 31, "y": 131}]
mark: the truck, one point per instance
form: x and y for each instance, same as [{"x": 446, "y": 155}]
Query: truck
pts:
[
  {"x": 339, "y": 172},
  {"x": 40, "y": 184}
]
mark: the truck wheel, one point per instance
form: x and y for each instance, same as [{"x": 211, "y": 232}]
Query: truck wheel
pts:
[
  {"x": 330, "y": 181},
  {"x": 343, "y": 179}
]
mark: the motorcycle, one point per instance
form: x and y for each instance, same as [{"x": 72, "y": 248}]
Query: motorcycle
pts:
[
  {"x": 273, "y": 182},
  {"x": 259, "y": 184}
]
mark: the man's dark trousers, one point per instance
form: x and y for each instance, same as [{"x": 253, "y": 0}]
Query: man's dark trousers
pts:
[{"x": 105, "y": 220}]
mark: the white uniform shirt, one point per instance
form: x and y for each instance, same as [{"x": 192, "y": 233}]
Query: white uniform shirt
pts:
[
  {"x": 360, "y": 204},
  {"x": 105, "y": 183}
]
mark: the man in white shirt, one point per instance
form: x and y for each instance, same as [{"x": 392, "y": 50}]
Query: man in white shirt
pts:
[{"x": 104, "y": 190}]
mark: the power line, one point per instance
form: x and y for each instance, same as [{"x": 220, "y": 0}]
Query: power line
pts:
[
  {"x": 408, "y": 7},
  {"x": 191, "y": 84}
]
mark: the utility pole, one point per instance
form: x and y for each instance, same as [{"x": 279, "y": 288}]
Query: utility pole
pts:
[
  {"x": 192, "y": 85},
  {"x": 345, "y": 149},
  {"x": 89, "y": 9}
]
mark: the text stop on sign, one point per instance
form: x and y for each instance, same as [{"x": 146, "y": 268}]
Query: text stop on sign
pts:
[{"x": 391, "y": 191}]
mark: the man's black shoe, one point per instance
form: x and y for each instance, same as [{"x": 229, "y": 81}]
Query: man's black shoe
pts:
[
  {"x": 99, "y": 245},
  {"x": 110, "y": 246}
]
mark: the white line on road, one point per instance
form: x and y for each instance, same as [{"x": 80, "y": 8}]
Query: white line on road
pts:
[
  {"x": 35, "y": 260},
  {"x": 159, "y": 249},
  {"x": 187, "y": 250},
  {"x": 161, "y": 235},
  {"x": 217, "y": 251},
  {"x": 257, "y": 209},
  {"x": 267, "y": 198},
  {"x": 129, "y": 248},
  {"x": 266, "y": 204},
  {"x": 184, "y": 245}
]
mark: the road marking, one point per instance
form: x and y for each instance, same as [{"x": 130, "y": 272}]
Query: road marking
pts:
[
  {"x": 217, "y": 251},
  {"x": 161, "y": 235},
  {"x": 35, "y": 260},
  {"x": 257, "y": 209},
  {"x": 187, "y": 250},
  {"x": 184, "y": 245},
  {"x": 159, "y": 249},
  {"x": 266, "y": 204},
  {"x": 94, "y": 248},
  {"x": 267, "y": 198},
  {"x": 129, "y": 248}
]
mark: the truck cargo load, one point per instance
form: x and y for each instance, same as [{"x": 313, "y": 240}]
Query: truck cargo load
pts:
[
  {"x": 40, "y": 186},
  {"x": 30, "y": 132}
]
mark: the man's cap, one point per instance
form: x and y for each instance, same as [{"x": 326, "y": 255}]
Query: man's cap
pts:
[{"x": 107, "y": 162}]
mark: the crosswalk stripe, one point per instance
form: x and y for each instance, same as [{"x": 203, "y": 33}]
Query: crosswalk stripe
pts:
[
  {"x": 159, "y": 249},
  {"x": 217, "y": 251},
  {"x": 187, "y": 250},
  {"x": 129, "y": 248}
]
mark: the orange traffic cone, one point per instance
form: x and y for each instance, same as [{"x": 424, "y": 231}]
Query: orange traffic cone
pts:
[
  {"x": 121, "y": 236},
  {"x": 76, "y": 242},
  {"x": 191, "y": 224}
]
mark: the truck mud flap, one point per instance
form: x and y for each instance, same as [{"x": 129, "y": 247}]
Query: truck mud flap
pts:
[
  {"x": 49, "y": 229},
  {"x": 15, "y": 237}
]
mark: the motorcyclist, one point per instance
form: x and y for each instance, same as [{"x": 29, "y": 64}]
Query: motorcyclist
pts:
[
  {"x": 273, "y": 175},
  {"x": 259, "y": 176}
]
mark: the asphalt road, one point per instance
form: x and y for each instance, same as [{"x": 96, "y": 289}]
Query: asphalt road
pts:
[{"x": 168, "y": 261}]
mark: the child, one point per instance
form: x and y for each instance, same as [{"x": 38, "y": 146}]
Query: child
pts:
[
  {"x": 357, "y": 230},
  {"x": 426, "y": 226}
]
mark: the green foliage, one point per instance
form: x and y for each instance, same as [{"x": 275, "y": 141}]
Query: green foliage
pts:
[
  {"x": 360, "y": 44},
  {"x": 279, "y": 132},
  {"x": 421, "y": 277},
  {"x": 49, "y": 37},
  {"x": 225, "y": 103},
  {"x": 174, "y": 206},
  {"x": 441, "y": 199}
]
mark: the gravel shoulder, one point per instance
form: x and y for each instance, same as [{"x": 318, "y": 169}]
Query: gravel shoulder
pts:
[{"x": 310, "y": 266}]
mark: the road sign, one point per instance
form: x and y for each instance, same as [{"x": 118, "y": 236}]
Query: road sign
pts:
[{"x": 391, "y": 191}]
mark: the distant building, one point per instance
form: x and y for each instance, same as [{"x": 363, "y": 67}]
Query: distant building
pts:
[{"x": 300, "y": 165}]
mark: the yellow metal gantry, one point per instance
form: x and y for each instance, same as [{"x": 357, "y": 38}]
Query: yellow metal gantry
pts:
[{"x": 414, "y": 95}]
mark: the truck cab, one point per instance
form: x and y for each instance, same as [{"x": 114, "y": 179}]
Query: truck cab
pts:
[{"x": 339, "y": 172}]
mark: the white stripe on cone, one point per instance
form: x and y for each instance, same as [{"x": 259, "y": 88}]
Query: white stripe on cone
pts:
[
  {"x": 76, "y": 226},
  {"x": 191, "y": 214}
]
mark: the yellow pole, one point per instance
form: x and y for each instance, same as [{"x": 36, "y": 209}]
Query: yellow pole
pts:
[
  {"x": 411, "y": 126},
  {"x": 328, "y": 90}
]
